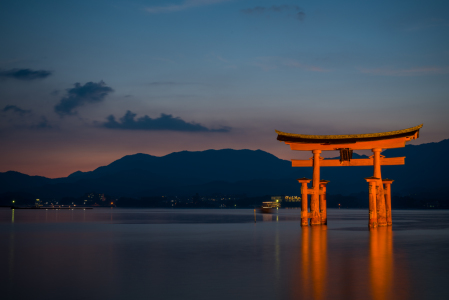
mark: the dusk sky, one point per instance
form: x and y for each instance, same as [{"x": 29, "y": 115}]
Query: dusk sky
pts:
[{"x": 83, "y": 83}]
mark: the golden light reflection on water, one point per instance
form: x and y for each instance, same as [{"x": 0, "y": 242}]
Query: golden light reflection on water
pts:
[
  {"x": 267, "y": 217},
  {"x": 381, "y": 262},
  {"x": 314, "y": 261},
  {"x": 363, "y": 272}
]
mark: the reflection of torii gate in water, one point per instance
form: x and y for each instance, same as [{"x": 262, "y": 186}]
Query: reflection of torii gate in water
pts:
[{"x": 379, "y": 190}]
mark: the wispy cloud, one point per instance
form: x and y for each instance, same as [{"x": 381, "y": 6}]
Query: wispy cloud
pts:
[
  {"x": 162, "y": 83},
  {"x": 289, "y": 10},
  {"x": 91, "y": 92},
  {"x": 169, "y": 83},
  {"x": 42, "y": 124},
  {"x": 423, "y": 24},
  {"x": 16, "y": 109},
  {"x": 187, "y": 4},
  {"x": 163, "y": 59},
  {"x": 172, "y": 84},
  {"x": 25, "y": 118},
  {"x": 224, "y": 62},
  {"x": 270, "y": 63},
  {"x": 419, "y": 71},
  {"x": 164, "y": 122},
  {"x": 296, "y": 64},
  {"x": 25, "y": 74}
]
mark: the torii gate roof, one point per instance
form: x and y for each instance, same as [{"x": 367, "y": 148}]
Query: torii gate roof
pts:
[{"x": 390, "y": 139}]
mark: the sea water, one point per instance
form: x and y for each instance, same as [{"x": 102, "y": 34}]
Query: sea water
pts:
[{"x": 113, "y": 253}]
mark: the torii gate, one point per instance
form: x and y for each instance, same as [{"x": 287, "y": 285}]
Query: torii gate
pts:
[{"x": 379, "y": 190}]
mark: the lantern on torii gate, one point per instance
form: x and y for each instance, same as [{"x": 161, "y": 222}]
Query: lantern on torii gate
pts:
[{"x": 379, "y": 190}]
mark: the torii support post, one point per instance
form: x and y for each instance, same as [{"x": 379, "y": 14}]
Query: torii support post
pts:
[
  {"x": 387, "y": 183},
  {"x": 380, "y": 205},
  {"x": 315, "y": 199},
  {"x": 372, "y": 181},
  {"x": 376, "y": 162},
  {"x": 304, "y": 210},
  {"x": 380, "y": 198},
  {"x": 323, "y": 201}
]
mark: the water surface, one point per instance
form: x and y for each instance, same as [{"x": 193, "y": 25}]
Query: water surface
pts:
[{"x": 221, "y": 254}]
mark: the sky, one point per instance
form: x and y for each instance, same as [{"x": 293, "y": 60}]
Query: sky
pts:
[{"x": 83, "y": 83}]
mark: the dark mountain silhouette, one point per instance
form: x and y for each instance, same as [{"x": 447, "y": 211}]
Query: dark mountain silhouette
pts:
[
  {"x": 197, "y": 167},
  {"x": 12, "y": 181},
  {"x": 228, "y": 171}
]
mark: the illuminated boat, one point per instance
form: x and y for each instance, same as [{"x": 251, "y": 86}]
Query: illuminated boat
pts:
[{"x": 267, "y": 207}]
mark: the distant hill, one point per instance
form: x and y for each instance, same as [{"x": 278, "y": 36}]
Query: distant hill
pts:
[
  {"x": 198, "y": 167},
  {"x": 228, "y": 171},
  {"x": 15, "y": 181}
]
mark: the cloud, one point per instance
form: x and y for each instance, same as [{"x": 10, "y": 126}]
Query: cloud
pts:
[
  {"x": 161, "y": 83},
  {"x": 171, "y": 83},
  {"x": 271, "y": 62},
  {"x": 164, "y": 122},
  {"x": 25, "y": 119},
  {"x": 42, "y": 124},
  {"x": 163, "y": 59},
  {"x": 296, "y": 64},
  {"x": 183, "y": 6},
  {"x": 80, "y": 95},
  {"x": 420, "y": 71},
  {"x": 290, "y": 10},
  {"x": 25, "y": 74},
  {"x": 420, "y": 22},
  {"x": 224, "y": 62},
  {"x": 16, "y": 109}
]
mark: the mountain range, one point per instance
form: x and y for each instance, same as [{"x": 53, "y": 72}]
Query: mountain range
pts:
[{"x": 227, "y": 171}]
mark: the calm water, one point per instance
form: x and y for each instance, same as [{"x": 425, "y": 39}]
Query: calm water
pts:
[{"x": 220, "y": 254}]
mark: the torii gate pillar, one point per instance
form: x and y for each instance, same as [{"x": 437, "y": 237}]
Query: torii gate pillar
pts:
[
  {"x": 372, "y": 181},
  {"x": 380, "y": 198},
  {"x": 387, "y": 183},
  {"x": 315, "y": 199},
  {"x": 376, "y": 162},
  {"x": 323, "y": 201},
  {"x": 304, "y": 208}
]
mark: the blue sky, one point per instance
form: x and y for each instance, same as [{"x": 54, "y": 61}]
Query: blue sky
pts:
[{"x": 211, "y": 74}]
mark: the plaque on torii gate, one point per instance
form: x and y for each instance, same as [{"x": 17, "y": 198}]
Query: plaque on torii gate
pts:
[{"x": 379, "y": 190}]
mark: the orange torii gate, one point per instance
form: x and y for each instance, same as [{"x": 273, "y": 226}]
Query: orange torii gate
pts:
[{"x": 379, "y": 190}]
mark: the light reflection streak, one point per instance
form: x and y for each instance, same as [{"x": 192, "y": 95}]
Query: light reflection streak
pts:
[
  {"x": 267, "y": 217},
  {"x": 369, "y": 272},
  {"x": 381, "y": 262},
  {"x": 314, "y": 262},
  {"x": 11, "y": 259},
  {"x": 277, "y": 258},
  {"x": 388, "y": 273}
]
